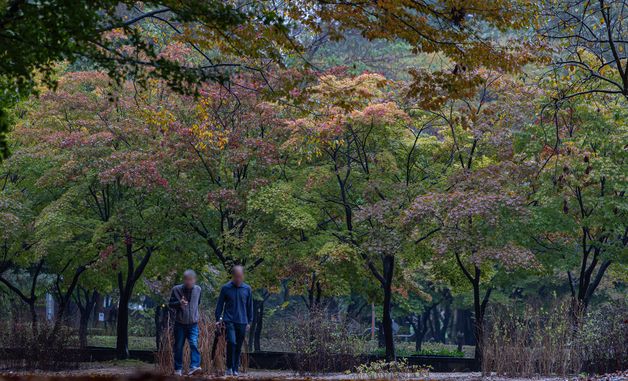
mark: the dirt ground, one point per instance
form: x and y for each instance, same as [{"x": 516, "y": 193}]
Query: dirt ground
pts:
[{"x": 133, "y": 370}]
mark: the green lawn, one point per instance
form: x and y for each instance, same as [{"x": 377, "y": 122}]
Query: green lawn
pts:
[
  {"x": 439, "y": 349},
  {"x": 403, "y": 349},
  {"x": 135, "y": 342}
]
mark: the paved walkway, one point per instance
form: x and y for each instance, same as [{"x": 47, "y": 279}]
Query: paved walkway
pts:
[{"x": 142, "y": 371}]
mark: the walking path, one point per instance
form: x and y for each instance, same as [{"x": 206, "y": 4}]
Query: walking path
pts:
[{"x": 141, "y": 371}]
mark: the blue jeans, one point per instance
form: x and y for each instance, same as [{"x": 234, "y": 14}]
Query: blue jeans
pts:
[
  {"x": 235, "y": 337},
  {"x": 181, "y": 333}
]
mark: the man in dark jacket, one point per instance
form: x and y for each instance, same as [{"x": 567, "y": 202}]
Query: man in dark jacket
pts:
[
  {"x": 185, "y": 299},
  {"x": 235, "y": 310}
]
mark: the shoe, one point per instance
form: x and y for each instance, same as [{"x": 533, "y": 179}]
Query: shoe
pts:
[
  {"x": 178, "y": 372},
  {"x": 194, "y": 370},
  {"x": 228, "y": 372},
  {"x": 235, "y": 373}
]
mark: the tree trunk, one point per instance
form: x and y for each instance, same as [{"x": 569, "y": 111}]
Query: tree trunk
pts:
[
  {"x": 469, "y": 339},
  {"x": 479, "y": 305},
  {"x": 253, "y": 326},
  {"x": 157, "y": 321},
  {"x": 446, "y": 321},
  {"x": 83, "y": 322},
  {"x": 319, "y": 293},
  {"x": 418, "y": 341},
  {"x": 64, "y": 299},
  {"x": 381, "y": 343},
  {"x": 420, "y": 329},
  {"x": 478, "y": 323},
  {"x": 122, "y": 328},
  {"x": 31, "y": 299},
  {"x": 479, "y": 308},
  {"x": 85, "y": 309},
  {"x": 126, "y": 291},
  {"x": 419, "y": 333},
  {"x": 34, "y": 320},
  {"x": 98, "y": 307},
  {"x": 387, "y": 325},
  {"x": 387, "y": 322},
  {"x": 161, "y": 323},
  {"x": 258, "y": 327},
  {"x": 436, "y": 324},
  {"x": 582, "y": 292},
  {"x": 460, "y": 330}
]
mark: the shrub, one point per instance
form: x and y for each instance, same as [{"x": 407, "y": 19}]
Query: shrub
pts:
[
  {"x": 551, "y": 341},
  {"x": 603, "y": 338},
  {"x": 394, "y": 370},
  {"x": 42, "y": 348},
  {"x": 530, "y": 341},
  {"x": 321, "y": 343}
]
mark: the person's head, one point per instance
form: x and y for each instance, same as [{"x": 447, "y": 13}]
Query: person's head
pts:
[
  {"x": 237, "y": 275},
  {"x": 189, "y": 278}
]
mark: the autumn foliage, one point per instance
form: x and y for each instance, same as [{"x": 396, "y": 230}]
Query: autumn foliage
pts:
[{"x": 491, "y": 171}]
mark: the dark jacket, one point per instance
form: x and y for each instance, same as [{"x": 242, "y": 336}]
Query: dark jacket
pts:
[
  {"x": 235, "y": 304},
  {"x": 189, "y": 313}
]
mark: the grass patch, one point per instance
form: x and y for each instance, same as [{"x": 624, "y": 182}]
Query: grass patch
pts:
[
  {"x": 405, "y": 349},
  {"x": 128, "y": 363},
  {"x": 135, "y": 342},
  {"x": 440, "y": 352}
]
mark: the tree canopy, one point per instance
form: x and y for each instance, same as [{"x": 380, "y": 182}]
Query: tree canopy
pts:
[{"x": 407, "y": 154}]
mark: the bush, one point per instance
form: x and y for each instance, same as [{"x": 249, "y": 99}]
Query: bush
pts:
[
  {"x": 26, "y": 348},
  {"x": 142, "y": 322},
  {"x": 530, "y": 341},
  {"x": 603, "y": 338},
  {"x": 395, "y": 370},
  {"x": 321, "y": 343},
  {"x": 551, "y": 341}
]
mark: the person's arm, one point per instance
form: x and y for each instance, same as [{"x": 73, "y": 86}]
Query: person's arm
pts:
[
  {"x": 249, "y": 307},
  {"x": 220, "y": 304},
  {"x": 200, "y": 293},
  {"x": 174, "y": 302}
]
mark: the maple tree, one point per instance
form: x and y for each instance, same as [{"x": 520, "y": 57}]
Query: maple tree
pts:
[
  {"x": 16, "y": 243},
  {"x": 292, "y": 237},
  {"x": 481, "y": 194},
  {"x": 110, "y": 210},
  {"x": 223, "y": 149},
  {"x": 362, "y": 145},
  {"x": 579, "y": 194}
]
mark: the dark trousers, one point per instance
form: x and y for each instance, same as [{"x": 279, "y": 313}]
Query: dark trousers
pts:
[{"x": 235, "y": 337}]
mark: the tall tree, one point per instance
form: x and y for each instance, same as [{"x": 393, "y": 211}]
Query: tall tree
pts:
[
  {"x": 21, "y": 201},
  {"x": 579, "y": 193},
  {"x": 115, "y": 207},
  {"x": 363, "y": 149},
  {"x": 482, "y": 189}
]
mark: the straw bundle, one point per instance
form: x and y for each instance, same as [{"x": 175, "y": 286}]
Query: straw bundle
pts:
[{"x": 211, "y": 344}]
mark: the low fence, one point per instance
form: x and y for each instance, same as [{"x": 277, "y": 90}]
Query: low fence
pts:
[{"x": 277, "y": 360}]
